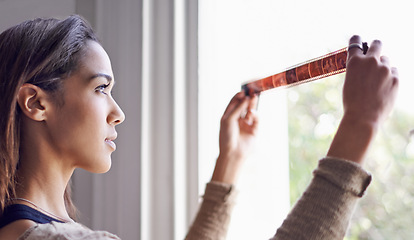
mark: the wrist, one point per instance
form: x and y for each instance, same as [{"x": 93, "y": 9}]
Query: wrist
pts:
[
  {"x": 353, "y": 138},
  {"x": 364, "y": 121},
  {"x": 227, "y": 168}
]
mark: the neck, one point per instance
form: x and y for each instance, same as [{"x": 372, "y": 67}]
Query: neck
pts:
[
  {"x": 43, "y": 173},
  {"x": 43, "y": 182}
]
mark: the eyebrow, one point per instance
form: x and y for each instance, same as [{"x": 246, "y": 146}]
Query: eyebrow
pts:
[{"x": 98, "y": 75}]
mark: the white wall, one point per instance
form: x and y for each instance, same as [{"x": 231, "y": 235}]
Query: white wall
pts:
[{"x": 15, "y": 11}]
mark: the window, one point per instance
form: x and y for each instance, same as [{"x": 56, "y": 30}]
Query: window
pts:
[
  {"x": 246, "y": 40},
  {"x": 237, "y": 43}
]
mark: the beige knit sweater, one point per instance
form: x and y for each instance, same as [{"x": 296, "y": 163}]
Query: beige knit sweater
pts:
[
  {"x": 323, "y": 211},
  {"x": 65, "y": 231}
]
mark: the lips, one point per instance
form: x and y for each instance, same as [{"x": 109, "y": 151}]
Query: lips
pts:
[{"x": 110, "y": 141}]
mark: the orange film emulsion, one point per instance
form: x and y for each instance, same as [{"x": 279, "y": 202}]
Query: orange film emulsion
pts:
[{"x": 324, "y": 66}]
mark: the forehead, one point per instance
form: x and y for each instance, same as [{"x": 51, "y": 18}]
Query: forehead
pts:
[
  {"x": 95, "y": 61},
  {"x": 94, "y": 64}
]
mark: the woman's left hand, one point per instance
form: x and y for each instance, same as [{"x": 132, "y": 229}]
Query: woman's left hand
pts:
[{"x": 238, "y": 131}]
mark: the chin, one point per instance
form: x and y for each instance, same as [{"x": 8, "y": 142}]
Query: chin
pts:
[
  {"x": 103, "y": 169},
  {"x": 100, "y": 167}
]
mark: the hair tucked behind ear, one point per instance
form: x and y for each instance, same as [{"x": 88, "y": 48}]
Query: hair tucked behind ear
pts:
[{"x": 42, "y": 52}]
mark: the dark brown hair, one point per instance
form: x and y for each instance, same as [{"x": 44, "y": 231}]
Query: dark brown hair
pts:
[{"x": 42, "y": 52}]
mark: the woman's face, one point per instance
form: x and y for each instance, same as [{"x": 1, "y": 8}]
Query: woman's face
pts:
[{"x": 83, "y": 128}]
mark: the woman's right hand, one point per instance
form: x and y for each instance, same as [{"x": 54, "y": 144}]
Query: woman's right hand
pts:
[
  {"x": 370, "y": 84},
  {"x": 369, "y": 93}
]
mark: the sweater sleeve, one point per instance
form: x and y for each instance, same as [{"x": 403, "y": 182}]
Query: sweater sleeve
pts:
[
  {"x": 213, "y": 217},
  {"x": 324, "y": 210}
]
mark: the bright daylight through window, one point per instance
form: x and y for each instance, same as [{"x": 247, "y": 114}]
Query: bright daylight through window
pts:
[{"x": 245, "y": 40}]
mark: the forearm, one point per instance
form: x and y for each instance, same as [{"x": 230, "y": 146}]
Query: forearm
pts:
[
  {"x": 237, "y": 133},
  {"x": 325, "y": 209},
  {"x": 353, "y": 138},
  {"x": 214, "y": 215},
  {"x": 227, "y": 169}
]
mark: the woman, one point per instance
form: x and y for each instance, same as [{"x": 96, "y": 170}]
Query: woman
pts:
[{"x": 57, "y": 114}]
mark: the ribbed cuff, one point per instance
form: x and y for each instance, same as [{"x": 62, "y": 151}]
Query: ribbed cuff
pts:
[
  {"x": 345, "y": 174},
  {"x": 220, "y": 192}
]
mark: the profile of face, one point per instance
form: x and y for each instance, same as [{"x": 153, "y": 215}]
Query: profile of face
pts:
[{"x": 82, "y": 129}]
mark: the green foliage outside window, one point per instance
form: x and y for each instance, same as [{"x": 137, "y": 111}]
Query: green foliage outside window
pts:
[{"x": 387, "y": 209}]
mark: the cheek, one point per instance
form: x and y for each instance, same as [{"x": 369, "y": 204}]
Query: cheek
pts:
[{"x": 81, "y": 127}]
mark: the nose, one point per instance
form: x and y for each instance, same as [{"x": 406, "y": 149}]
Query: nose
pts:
[{"x": 116, "y": 115}]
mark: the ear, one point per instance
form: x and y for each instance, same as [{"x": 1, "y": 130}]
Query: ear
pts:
[{"x": 32, "y": 101}]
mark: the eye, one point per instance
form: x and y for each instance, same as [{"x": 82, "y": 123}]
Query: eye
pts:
[{"x": 102, "y": 88}]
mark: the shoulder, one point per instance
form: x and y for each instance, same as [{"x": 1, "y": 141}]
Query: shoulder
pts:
[
  {"x": 55, "y": 230},
  {"x": 15, "y": 229}
]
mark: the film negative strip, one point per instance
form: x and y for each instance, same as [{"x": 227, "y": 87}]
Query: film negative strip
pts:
[{"x": 317, "y": 68}]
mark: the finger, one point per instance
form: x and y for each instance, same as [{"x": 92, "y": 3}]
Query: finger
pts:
[
  {"x": 255, "y": 124},
  {"x": 239, "y": 110},
  {"x": 250, "y": 122},
  {"x": 251, "y": 108},
  {"x": 234, "y": 102},
  {"x": 375, "y": 49},
  {"x": 248, "y": 118},
  {"x": 253, "y": 103},
  {"x": 236, "y": 106},
  {"x": 394, "y": 71},
  {"x": 385, "y": 60},
  {"x": 352, "y": 51},
  {"x": 395, "y": 78}
]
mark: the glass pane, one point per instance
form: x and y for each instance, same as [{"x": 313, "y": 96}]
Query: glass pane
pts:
[{"x": 236, "y": 45}]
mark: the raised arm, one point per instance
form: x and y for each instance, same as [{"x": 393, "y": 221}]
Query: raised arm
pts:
[
  {"x": 325, "y": 208},
  {"x": 368, "y": 96},
  {"x": 237, "y": 134},
  {"x": 238, "y": 128}
]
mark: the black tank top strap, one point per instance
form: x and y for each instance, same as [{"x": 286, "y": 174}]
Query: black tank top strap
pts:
[{"x": 22, "y": 212}]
